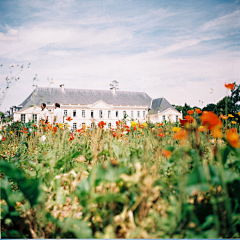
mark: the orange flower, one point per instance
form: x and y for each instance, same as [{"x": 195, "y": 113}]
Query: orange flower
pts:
[
  {"x": 190, "y": 119},
  {"x": 160, "y": 124},
  {"x": 182, "y": 136},
  {"x": 201, "y": 128},
  {"x": 161, "y": 134},
  {"x": 101, "y": 124},
  {"x": 224, "y": 117},
  {"x": 166, "y": 153},
  {"x": 49, "y": 126},
  {"x": 118, "y": 123},
  {"x": 54, "y": 129},
  {"x": 210, "y": 120},
  {"x": 69, "y": 119},
  {"x": 232, "y": 138},
  {"x": 197, "y": 110},
  {"x": 190, "y": 111},
  {"x": 230, "y": 86}
]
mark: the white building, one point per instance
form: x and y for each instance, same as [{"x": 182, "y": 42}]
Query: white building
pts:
[{"x": 88, "y": 107}]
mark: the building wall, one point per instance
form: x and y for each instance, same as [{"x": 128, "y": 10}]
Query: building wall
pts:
[
  {"x": 79, "y": 119},
  {"x": 168, "y": 115}
]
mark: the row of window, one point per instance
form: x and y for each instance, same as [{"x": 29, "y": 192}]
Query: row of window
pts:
[
  {"x": 101, "y": 113},
  {"x": 34, "y": 116},
  {"x": 92, "y": 125}
]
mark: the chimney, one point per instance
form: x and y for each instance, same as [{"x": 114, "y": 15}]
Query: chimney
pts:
[
  {"x": 113, "y": 89},
  {"x": 62, "y": 87}
]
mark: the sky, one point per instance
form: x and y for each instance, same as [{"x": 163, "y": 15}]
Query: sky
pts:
[{"x": 183, "y": 50}]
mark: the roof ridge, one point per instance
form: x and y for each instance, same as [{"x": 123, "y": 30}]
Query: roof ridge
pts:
[{"x": 76, "y": 89}]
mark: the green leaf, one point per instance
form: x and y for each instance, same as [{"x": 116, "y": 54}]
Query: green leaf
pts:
[{"x": 31, "y": 188}]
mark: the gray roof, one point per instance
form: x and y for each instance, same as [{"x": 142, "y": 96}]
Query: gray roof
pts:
[
  {"x": 85, "y": 96},
  {"x": 160, "y": 104}
]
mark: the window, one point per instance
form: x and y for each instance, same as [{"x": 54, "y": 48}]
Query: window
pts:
[
  {"x": 83, "y": 113},
  {"x": 92, "y": 125},
  {"x": 65, "y": 113},
  {"x": 116, "y": 113},
  {"x": 92, "y": 113},
  {"x": 131, "y": 114},
  {"x": 34, "y": 117},
  {"x": 163, "y": 117},
  {"x": 74, "y": 126},
  {"x": 74, "y": 113},
  {"x": 100, "y": 113},
  {"x": 144, "y": 114},
  {"x": 138, "y": 113},
  {"x": 124, "y": 113},
  {"x": 109, "y": 114},
  {"x": 109, "y": 125},
  {"x": 177, "y": 118},
  {"x": 83, "y": 125},
  {"x": 23, "y": 116}
]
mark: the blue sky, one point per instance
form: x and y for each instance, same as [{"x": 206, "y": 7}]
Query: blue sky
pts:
[{"x": 173, "y": 49}]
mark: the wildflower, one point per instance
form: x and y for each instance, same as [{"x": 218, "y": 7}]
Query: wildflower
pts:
[
  {"x": 234, "y": 122},
  {"x": 239, "y": 113},
  {"x": 71, "y": 137},
  {"x": 134, "y": 128},
  {"x": 230, "y": 86},
  {"x": 183, "y": 122},
  {"x": 25, "y": 128},
  {"x": 133, "y": 124},
  {"x": 210, "y": 120},
  {"x": 176, "y": 129},
  {"x": 118, "y": 123},
  {"x": 166, "y": 153},
  {"x": 160, "y": 124},
  {"x": 197, "y": 110},
  {"x": 224, "y": 117},
  {"x": 138, "y": 136},
  {"x": 230, "y": 115},
  {"x": 35, "y": 125},
  {"x": 69, "y": 119},
  {"x": 11, "y": 132},
  {"x": 145, "y": 125},
  {"x": 54, "y": 129},
  {"x": 43, "y": 138},
  {"x": 190, "y": 111},
  {"x": 232, "y": 138},
  {"x": 161, "y": 134},
  {"x": 182, "y": 136},
  {"x": 101, "y": 124},
  {"x": 201, "y": 128},
  {"x": 189, "y": 119}
]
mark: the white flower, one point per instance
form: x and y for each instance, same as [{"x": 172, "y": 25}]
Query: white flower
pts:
[
  {"x": 1, "y": 137},
  {"x": 43, "y": 138}
]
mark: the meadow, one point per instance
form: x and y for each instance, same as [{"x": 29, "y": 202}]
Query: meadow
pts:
[{"x": 164, "y": 180}]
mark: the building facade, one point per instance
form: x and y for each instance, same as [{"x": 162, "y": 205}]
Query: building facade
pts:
[{"x": 89, "y": 107}]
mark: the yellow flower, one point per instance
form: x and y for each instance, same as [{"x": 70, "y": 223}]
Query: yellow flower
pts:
[
  {"x": 11, "y": 132},
  {"x": 239, "y": 113},
  {"x": 233, "y": 122},
  {"x": 176, "y": 129},
  {"x": 145, "y": 124},
  {"x": 133, "y": 124},
  {"x": 230, "y": 115}
]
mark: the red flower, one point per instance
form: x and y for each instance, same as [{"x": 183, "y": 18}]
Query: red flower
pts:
[
  {"x": 118, "y": 123},
  {"x": 54, "y": 129},
  {"x": 137, "y": 136},
  {"x": 101, "y": 124},
  {"x": 190, "y": 111},
  {"x": 128, "y": 130},
  {"x": 160, "y": 124},
  {"x": 3, "y": 139},
  {"x": 115, "y": 134},
  {"x": 35, "y": 125},
  {"x": 25, "y": 128},
  {"x": 69, "y": 119},
  {"x": 183, "y": 122},
  {"x": 230, "y": 86},
  {"x": 161, "y": 134},
  {"x": 135, "y": 128},
  {"x": 71, "y": 137}
]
